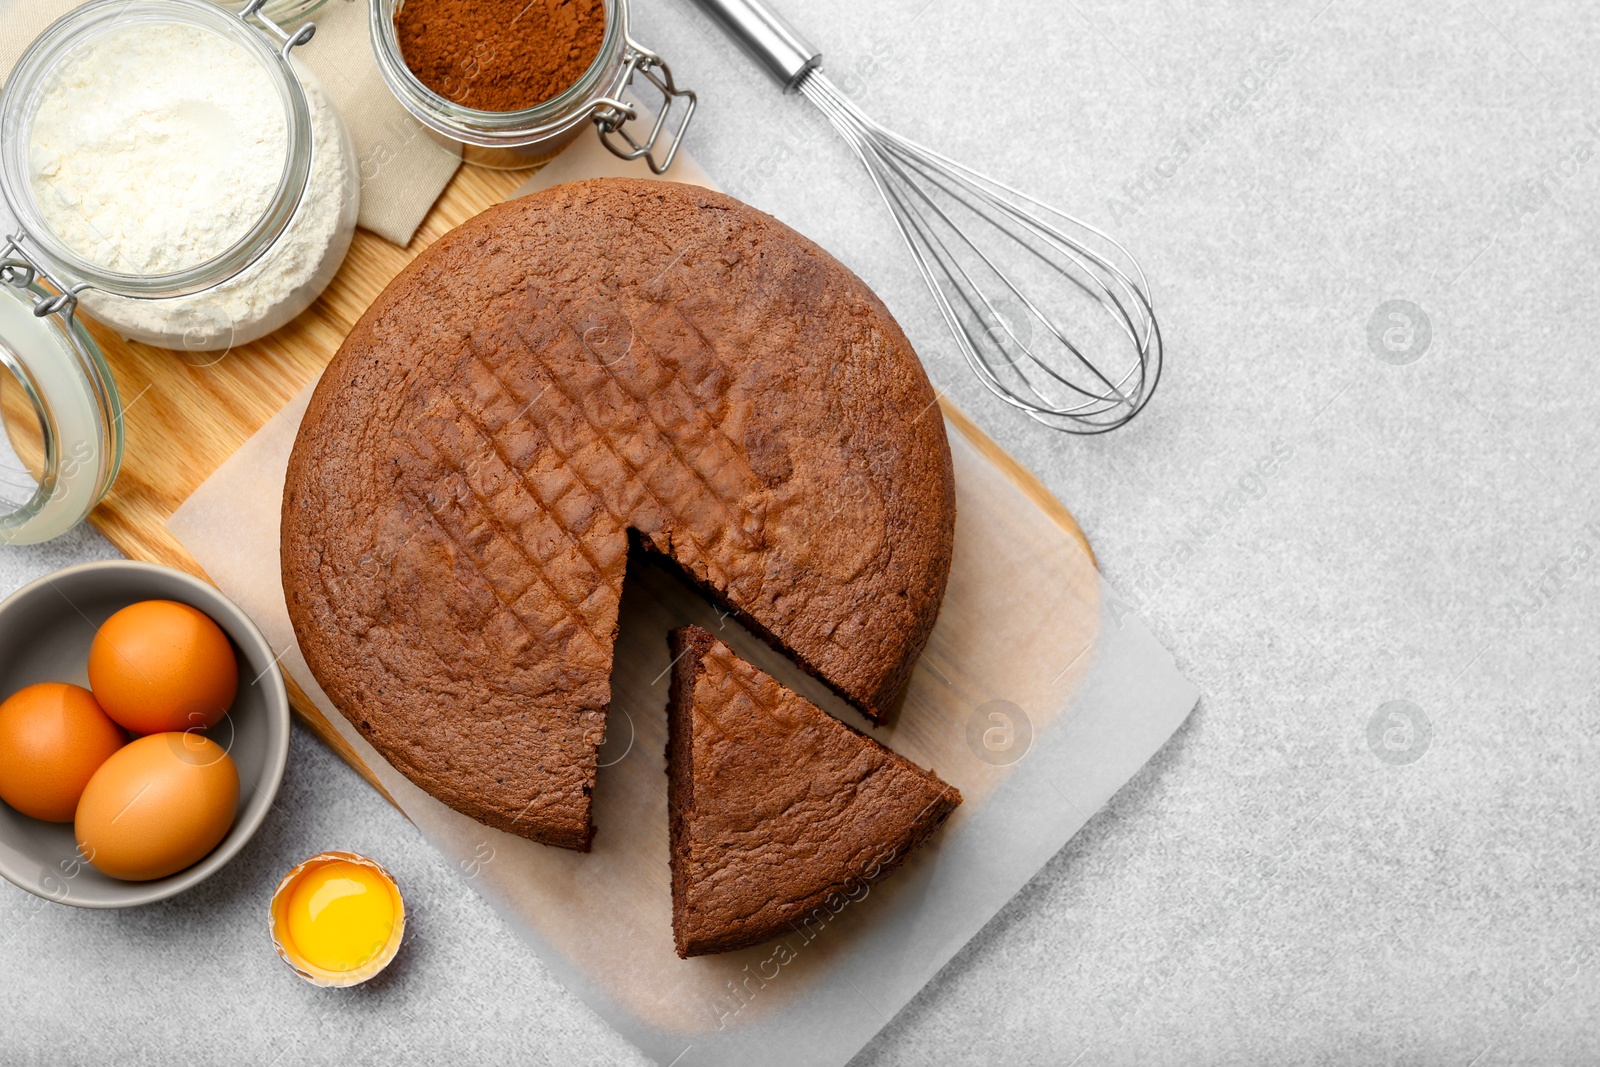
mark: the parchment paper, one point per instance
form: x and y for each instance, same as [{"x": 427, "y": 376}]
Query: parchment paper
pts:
[{"x": 1038, "y": 696}]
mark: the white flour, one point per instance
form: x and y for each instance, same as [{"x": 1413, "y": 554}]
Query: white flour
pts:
[
  {"x": 157, "y": 147},
  {"x": 279, "y": 285}
]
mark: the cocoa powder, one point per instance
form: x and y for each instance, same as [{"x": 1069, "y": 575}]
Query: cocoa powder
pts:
[{"x": 499, "y": 55}]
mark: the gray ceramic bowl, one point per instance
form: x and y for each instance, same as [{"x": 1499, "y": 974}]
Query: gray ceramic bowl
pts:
[{"x": 45, "y": 632}]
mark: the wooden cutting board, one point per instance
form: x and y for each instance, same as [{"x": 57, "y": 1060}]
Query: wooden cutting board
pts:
[{"x": 184, "y": 413}]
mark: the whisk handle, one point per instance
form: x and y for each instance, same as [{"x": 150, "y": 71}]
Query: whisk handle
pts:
[{"x": 767, "y": 37}]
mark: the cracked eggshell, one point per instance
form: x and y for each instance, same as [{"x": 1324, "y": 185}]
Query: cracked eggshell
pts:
[{"x": 290, "y": 953}]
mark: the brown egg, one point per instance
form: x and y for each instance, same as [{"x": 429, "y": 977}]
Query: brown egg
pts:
[
  {"x": 159, "y": 665},
  {"x": 157, "y": 806},
  {"x": 53, "y": 737}
]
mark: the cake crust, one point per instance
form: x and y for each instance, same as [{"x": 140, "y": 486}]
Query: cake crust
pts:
[
  {"x": 598, "y": 359},
  {"x": 777, "y": 810}
]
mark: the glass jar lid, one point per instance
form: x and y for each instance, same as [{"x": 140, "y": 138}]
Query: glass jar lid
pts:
[
  {"x": 60, "y": 418},
  {"x": 67, "y": 41}
]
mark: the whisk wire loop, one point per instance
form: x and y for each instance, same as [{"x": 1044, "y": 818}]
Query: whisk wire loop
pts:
[{"x": 937, "y": 204}]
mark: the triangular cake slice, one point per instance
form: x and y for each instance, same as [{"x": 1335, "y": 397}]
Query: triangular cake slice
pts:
[{"x": 777, "y": 808}]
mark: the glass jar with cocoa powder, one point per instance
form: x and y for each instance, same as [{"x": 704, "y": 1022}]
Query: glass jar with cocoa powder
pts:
[{"x": 515, "y": 82}]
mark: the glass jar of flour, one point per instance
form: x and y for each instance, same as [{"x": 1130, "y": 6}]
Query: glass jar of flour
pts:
[
  {"x": 171, "y": 172},
  {"x": 174, "y": 172}
]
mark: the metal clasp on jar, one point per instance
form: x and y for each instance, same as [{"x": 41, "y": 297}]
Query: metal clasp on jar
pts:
[
  {"x": 21, "y": 272},
  {"x": 613, "y": 114},
  {"x": 290, "y": 39}
]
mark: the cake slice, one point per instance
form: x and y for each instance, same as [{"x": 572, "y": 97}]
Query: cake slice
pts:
[{"x": 779, "y": 811}]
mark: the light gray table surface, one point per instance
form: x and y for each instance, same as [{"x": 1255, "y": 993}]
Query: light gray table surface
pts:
[{"x": 1297, "y": 877}]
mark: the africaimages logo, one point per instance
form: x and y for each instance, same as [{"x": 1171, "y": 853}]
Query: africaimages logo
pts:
[
  {"x": 1200, "y": 130},
  {"x": 1244, "y": 492},
  {"x": 1540, "y": 592}
]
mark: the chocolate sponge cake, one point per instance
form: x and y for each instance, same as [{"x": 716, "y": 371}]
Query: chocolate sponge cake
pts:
[
  {"x": 601, "y": 361},
  {"x": 777, "y": 808}
]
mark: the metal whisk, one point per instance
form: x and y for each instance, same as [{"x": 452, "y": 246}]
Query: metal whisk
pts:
[{"x": 1010, "y": 274}]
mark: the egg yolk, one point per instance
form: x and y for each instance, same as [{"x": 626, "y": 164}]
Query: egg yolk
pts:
[{"x": 340, "y": 915}]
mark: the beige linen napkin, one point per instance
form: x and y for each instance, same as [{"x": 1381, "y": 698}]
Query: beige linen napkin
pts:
[{"x": 403, "y": 167}]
